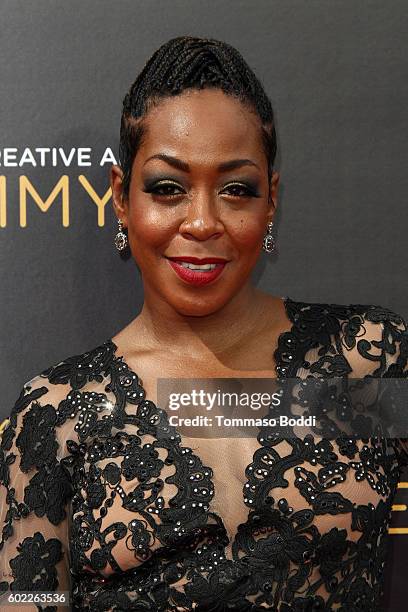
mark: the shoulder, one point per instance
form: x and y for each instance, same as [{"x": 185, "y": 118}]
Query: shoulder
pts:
[
  {"x": 79, "y": 372},
  {"x": 74, "y": 371},
  {"x": 373, "y": 338},
  {"x": 41, "y": 396},
  {"x": 79, "y": 369},
  {"x": 324, "y": 312}
]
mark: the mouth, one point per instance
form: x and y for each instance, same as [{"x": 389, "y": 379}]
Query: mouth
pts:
[{"x": 197, "y": 271}]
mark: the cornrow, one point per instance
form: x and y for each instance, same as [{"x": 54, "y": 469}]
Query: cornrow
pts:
[{"x": 195, "y": 63}]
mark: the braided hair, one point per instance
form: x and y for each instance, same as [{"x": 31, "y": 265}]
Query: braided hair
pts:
[{"x": 196, "y": 63}]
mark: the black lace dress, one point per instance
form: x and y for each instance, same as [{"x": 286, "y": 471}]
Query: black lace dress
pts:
[{"x": 101, "y": 497}]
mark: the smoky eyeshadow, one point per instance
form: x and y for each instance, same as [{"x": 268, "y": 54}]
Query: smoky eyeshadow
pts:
[
  {"x": 149, "y": 183},
  {"x": 253, "y": 186}
]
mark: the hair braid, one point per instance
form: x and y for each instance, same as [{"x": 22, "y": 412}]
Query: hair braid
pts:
[{"x": 188, "y": 62}]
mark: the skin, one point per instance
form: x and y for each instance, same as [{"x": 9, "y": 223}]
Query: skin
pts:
[{"x": 220, "y": 328}]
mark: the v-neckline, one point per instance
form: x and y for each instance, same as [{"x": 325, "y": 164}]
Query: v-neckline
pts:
[
  {"x": 284, "y": 362},
  {"x": 281, "y": 366}
]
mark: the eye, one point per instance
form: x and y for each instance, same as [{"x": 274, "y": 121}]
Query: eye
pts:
[
  {"x": 240, "y": 190},
  {"x": 166, "y": 189}
]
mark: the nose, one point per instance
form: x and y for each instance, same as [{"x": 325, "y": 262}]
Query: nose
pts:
[{"x": 202, "y": 220}]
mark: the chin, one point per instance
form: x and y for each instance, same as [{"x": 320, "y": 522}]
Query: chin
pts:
[{"x": 196, "y": 307}]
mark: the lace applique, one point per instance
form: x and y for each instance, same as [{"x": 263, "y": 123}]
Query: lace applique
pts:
[{"x": 122, "y": 513}]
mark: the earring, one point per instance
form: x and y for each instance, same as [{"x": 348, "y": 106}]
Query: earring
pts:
[
  {"x": 268, "y": 244},
  {"x": 120, "y": 238}
]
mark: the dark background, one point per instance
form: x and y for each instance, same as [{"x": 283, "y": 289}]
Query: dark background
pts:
[{"x": 336, "y": 75}]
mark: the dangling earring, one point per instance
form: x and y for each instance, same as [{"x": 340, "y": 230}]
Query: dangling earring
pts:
[
  {"x": 121, "y": 240},
  {"x": 268, "y": 241}
]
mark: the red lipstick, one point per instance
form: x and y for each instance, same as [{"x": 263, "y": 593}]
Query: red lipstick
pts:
[{"x": 197, "y": 277}]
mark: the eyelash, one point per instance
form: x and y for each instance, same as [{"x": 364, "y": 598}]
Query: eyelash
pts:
[{"x": 250, "y": 192}]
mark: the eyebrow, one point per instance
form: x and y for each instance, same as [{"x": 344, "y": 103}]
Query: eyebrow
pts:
[{"x": 182, "y": 165}]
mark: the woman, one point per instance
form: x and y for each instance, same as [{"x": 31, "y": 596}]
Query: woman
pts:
[{"x": 100, "y": 495}]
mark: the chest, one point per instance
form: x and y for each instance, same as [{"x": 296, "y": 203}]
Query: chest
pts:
[{"x": 142, "y": 494}]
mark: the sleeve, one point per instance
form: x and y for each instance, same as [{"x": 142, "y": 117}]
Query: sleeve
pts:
[
  {"x": 380, "y": 336},
  {"x": 395, "y": 344},
  {"x": 35, "y": 495}
]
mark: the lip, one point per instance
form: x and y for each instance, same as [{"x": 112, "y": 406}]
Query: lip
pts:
[{"x": 195, "y": 278}]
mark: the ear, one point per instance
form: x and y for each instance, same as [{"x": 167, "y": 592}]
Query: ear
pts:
[
  {"x": 120, "y": 204},
  {"x": 273, "y": 195}
]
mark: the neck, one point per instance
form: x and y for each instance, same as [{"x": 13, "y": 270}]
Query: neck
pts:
[{"x": 160, "y": 325}]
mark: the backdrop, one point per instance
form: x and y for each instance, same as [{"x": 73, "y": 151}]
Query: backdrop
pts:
[{"x": 336, "y": 75}]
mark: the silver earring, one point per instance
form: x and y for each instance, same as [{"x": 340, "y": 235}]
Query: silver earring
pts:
[
  {"x": 268, "y": 241},
  {"x": 120, "y": 238}
]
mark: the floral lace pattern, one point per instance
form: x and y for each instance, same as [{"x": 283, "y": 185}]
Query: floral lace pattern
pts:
[{"x": 99, "y": 495}]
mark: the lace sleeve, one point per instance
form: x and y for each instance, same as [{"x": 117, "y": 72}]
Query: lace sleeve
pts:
[
  {"x": 35, "y": 492},
  {"x": 380, "y": 336},
  {"x": 395, "y": 344}
]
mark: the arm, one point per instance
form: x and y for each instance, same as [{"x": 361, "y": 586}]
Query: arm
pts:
[
  {"x": 375, "y": 343},
  {"x": 395, "y": 347},
  {"x": 35, "y": 491}
]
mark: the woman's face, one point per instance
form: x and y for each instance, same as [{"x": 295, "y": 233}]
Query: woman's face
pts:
[{"x": 199, "y": 188}]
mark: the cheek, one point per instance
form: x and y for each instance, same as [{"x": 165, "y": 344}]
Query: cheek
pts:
[
  {"x": 248, "y": 231},
  {"x": 149, "y": 227}
]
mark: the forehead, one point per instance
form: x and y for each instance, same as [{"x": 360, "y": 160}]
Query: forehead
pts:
[{"x": 199, "y": 123}]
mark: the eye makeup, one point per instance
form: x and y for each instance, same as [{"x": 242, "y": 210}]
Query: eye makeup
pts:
[
  {"x": 149, "y": 183},
  {"x": 249, "y": 187}
]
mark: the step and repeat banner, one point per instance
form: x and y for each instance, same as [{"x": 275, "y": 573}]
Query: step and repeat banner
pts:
[{"x": 336, "y": 75}]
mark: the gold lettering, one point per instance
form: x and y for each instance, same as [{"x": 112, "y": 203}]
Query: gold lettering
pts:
[
  {"x": 100, "y": 202},
  {"x": 26, "y": 186}
]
